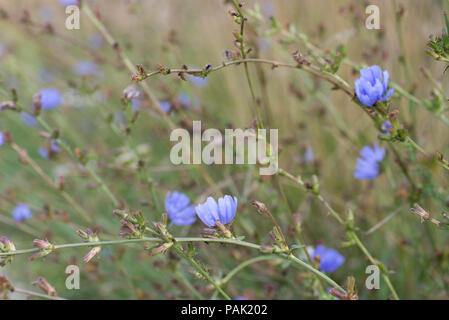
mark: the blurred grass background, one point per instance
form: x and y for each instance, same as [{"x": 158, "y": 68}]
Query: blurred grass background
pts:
[{"x": 195, "y": 33}]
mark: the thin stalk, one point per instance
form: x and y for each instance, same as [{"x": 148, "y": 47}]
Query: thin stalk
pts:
[
  {"x": 352, "y": 234},
  {"x": 37, "y": 294},
  {"x": 248, "y": 78},
  {"x": 22, "y": 153},
  {"x": 179, "y": 240}
]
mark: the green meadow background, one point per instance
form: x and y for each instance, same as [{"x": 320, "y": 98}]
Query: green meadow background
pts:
[{"x": 307, "y": 112}]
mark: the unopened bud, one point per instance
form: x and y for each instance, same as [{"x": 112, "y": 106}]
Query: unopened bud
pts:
[
  {"x": 92, "y": 253},
  {"x": 161, "y": 249},
  {"x": 45, "y": 286}
]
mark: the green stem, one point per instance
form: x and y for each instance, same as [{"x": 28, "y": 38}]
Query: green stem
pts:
[
  {"x": 337, "y": 216},
  {"x": 178, "y": 240},
  {"x": 248, "y": 78}
]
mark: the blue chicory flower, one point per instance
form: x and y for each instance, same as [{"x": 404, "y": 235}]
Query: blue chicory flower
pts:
[
  {"x": 28, "y": 119},
  {"x": 367, "y": 166},
  {"x": 308, "y": 155},
  {"x": 68, "y": 2},
  {"x": 96, "y": 41},
  {"x": 184, "y": 99},
  {"x": 372, "y": 86},
  {"x": 2, "y": 139},
  {"x": 330, "y": 259},
  {"x": 269, "y": 9},
  {"x": 21, "y": 212},
  {"x": 165, "y": 106},
  {"x": 178, "y": 208},
  {"x": 135, "y": 103},
  {"x": 263, "y": 44},
  {"x": 386, "y": 126},
  {"x": 51, "y": 98},
  {"x": 46, "y": 13},
  {"x": 198, "y": 81},
  {"x": 45, "y": 152},
  {"x": 85, "y": 68},
  {"x": 210, "y": 211}
]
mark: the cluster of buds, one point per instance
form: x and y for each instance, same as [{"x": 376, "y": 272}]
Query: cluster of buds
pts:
[
  {"x": 6, "y": 246},
  {"x": 162, "y": 231},
  {"x": 131, "y": 92},
  {"x": 45, "y": 246},
  {"x": 278, "y": 241},
  {"x": 89, "y": 236},
  {"x": 218, "y": 231},
  {"x": 203, "y": 72},
  {"x": 231, "y": 55},
  {"x": 223, "y": 230},
  {"x": 300, "y": 59},
  {"x": 351, "y": 291},
  {"x": 438, "y": 46},
  {"x": 236, "y": 16},
  {"x": 133, "y": 226},
  {"x": 395, "y": 131},
  {"x": 141, "y": 73}
]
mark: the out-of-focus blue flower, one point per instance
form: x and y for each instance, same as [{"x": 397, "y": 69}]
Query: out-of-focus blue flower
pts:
[
  {"x": 2, "y": 139},
  {"x": 46, "y": 13},
  {"x": 386, "y": 126},
  {"x": 198, "y": 81},
  {"x": 68, "y": 2},
  {"x": 51, "y": 98},
  {"x": 45, "y": 75},
  {"x": 372, "y": 86},
  {"x": 178, "y": 208},
  {"x": 45, "y": 152},
  {"x": 165, "y": 106},
  {"x": 21, "y": 212},
  {"x": 210, "y": 211},
  {"x": 136, "y": 102},
  {"x": 367, "y": 166},
  {"x": 268, "y": 9},
  {"x": 28, "y": 119},
  {"x": 95, "y": 41},
  {"x": 330, "y": 259},
  {"x": 308, "y": 155},
  {"x": 263, "y": 45},
  {"x": 120, "y": 118},
  {"x": 184, "y": 99},
  {"x": 85, "y": 68}
]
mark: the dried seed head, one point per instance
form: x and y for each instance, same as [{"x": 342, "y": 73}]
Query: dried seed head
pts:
[
  {"x": 260, "y": 207},
  {"x": 45, "y": 286},
  {"x": 423, "y": 214}
]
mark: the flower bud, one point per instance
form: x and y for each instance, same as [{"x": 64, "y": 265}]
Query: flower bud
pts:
[
  {"x": 161, "y": 249},
  {"x": 92, "y": 253},
  {"x": 45, "y": 286},
  {"x": 43, "y": 244}
]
